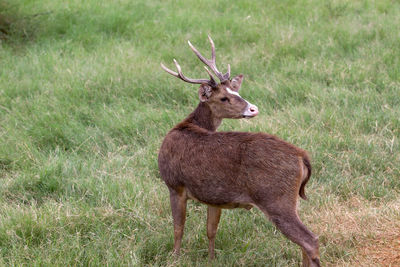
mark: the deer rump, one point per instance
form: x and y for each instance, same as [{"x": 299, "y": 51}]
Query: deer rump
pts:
[{"x": 232, "y": 169}]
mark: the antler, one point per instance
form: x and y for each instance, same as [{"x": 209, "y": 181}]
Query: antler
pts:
[
  {"x": 180, "y": 75},
  {"x": 211, "y": 63}
]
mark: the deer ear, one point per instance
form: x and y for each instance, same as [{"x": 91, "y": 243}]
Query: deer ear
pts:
[
  {"x": 205, "y": 92},
  {"x": 237, "y": 82}
]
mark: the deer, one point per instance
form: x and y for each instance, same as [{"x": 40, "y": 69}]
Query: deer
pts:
[{"x": 228, "y": 170}]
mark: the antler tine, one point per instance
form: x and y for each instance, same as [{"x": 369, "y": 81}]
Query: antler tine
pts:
[
  {"x": 184, "y": 78},
  {"x": 212, "y": 50},
  {"x": 209, "y": 73},
  {"x": 173, "y": 73},
  {"x": 178, "y": 67},
  {"x": 211, "y": 63},
  {"x": 227, "y": 75},
  {"x": 203, "y": 59}
]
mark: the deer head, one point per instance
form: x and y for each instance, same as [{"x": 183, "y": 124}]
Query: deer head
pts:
[{"x": 223, "y": 98}]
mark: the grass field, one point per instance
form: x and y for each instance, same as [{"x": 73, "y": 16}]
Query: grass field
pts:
[{"x": 84, "y": 106}]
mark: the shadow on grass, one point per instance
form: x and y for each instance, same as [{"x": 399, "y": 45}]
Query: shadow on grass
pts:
[
  {"x": 21, "y": 25},
  {"x": 16, "y": 27}
]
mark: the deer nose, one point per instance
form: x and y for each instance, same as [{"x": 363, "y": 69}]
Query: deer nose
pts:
[{"x": 251, "y": 111}]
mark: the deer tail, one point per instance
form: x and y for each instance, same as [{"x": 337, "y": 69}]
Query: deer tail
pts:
[{"x": 306, "y": 162}]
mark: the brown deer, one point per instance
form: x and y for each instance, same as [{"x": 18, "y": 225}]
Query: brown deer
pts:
[{"x": 227, "y": 170}]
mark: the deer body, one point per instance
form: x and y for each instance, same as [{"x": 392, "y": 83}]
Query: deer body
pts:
[
  {"x": 241, "y": 166},
  {"x": 233, "y": 169}
]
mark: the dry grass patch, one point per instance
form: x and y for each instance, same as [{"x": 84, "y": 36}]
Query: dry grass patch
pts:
[
  {"x": 384, "y": 250},
  {"x": 364, "y": 233}
]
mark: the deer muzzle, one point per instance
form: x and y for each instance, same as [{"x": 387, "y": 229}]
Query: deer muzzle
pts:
[{"x": 251, "y": 111}]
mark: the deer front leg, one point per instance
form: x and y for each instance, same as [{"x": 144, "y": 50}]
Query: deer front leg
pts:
[
  {"x": 178, "y": 200},
  {"x": 213, "y": 216}
]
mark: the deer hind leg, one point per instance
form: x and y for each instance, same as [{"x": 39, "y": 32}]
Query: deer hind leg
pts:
[
  {"x": 291, "y": 226},
  {"x": 178, "y": 200},
  {"x": 213, "y": 216}
]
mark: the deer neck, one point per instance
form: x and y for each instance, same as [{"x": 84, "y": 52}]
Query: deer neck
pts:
[{"x": 203, "y": 117}]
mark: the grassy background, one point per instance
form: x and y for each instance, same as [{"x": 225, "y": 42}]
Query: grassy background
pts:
[{"x": 84, "y": 106}]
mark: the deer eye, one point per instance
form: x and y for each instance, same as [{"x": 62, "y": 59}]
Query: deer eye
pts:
[{"x": 224, "y": 99}]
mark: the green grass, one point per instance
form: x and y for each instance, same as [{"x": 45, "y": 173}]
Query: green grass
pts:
[{"x": 84, "y": 106}]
